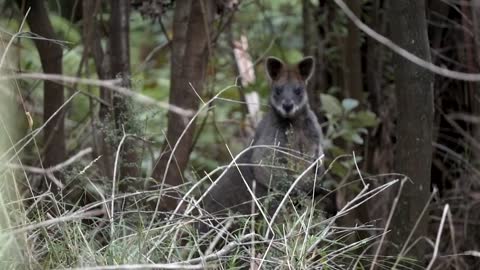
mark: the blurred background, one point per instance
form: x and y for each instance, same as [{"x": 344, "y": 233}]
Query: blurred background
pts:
[{"x": 138, "y": 94}]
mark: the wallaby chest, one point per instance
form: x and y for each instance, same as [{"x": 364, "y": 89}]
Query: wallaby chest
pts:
[{"x": 285, "y": 149}]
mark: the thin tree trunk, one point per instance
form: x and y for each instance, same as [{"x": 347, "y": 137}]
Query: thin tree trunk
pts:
[
  {"x": 120, "y": 67},
  {"x": 314, "y": 45},
  {"x": 189, "y": 63},
  {"x": 353, "y": 88},
  {"x": 379, "y": 157},
  {"x": 379, "y": 145},
  {"x": 71, "y": 10},
  {"x": 373, "y": 71},
  {"x": 475, "y": 67},
  {"x": 51, "y": 59},
  {"x": 414, "y": 93},
  {"x": 353, "y": 57},
  {"x": 92, "y": 43}
]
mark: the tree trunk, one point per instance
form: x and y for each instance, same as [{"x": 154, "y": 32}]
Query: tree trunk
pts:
[
  {"x": 92, "y": 43},
  {"x": 353, "y": 58},
  {"x": 379, "y": 144},
  {"x": 474, "y": 68},
  {"x": 314, "y": 45},
  {"x": 414, "y": 94},
  {"x": 379, "y": 155},
  {"x": 353, "y": 88},
  {"x": 71, "y": 10},
  {"x": 51, "y": 59},
  {"x": 189, "y": 63},
  {"x": 120, "y": 68}
]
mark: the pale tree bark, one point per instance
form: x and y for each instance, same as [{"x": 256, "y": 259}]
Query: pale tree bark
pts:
[
  {"x": 190, "y": 56},
  {"x": 414, "y": 94},
  {"x": 120, "y": 67},
  {"x": 51, "y": 59},
  {"x": 240, "y": 82}
]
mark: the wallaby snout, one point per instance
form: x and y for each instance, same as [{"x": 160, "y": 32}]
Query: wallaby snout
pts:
[{"x": 288, "y": 106}]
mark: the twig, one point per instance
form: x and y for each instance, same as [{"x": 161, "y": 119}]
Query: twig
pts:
[
  {"x": 390, "y": 216},
  {"x": 143, "y": 266},
  {"x": 404, "y": 248},
  {"x": 115, "y": 172},
  {"x": 179, "y": 140},
  {"x": 252, "y": 194},
  {"x": 74, "y": 216},
  {"x": 219, "y": 236},
  {"x": 439, "y": 235},
  {"x": 452, "y": 235},
  {"x": 150, "y": 55},
  {"x": 224, "y": 250},
  {"x": 49, "y": 171},
  {"x": 359, "y": 199},
  {"x": 280, "y": 205},
  {"x": 4, "y": 55},
  {"x": 358, "y": 170},
  {"x": 53, "y": 168},
  {"x": 34, "y": 133}
]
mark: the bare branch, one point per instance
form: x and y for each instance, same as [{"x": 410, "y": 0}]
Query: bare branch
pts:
[
  {"x": 49, "y": 171},
  {"x": 109, "y": 84},
  {"x": 404, "y": 53}
]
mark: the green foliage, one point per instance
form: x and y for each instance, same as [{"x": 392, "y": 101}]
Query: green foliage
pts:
[
  {"x": 66, "y": 31},
  {"x": 347, "y": 125}
]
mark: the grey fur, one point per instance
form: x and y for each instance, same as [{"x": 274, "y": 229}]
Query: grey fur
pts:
[{"x": 283, "y": 133}]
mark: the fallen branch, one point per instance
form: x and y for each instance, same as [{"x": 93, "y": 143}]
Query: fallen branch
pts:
[{"x": 49, "y": 171}]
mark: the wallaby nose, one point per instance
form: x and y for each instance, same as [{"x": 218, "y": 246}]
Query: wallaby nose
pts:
[{"x": 287, "y": 107}]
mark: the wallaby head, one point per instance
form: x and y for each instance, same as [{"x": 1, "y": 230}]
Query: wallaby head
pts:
[{"x": 288, "y": 96}]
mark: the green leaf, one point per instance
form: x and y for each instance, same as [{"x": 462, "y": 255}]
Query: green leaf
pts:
[
  {"x": 330, "y": 104},
  {"x": 365, "y": 119},
  {"x": 349, "y": 104},
  {"x": 67, "y": 31},
  {"x": 293, "y": 56},
  {"x": 339, "y": 170},
  {"x": 336, "y": 151},
  {"x": 352, "y": 136},
  {"x": 362, "y": 130},
  {"x": 356, "y": 138}
]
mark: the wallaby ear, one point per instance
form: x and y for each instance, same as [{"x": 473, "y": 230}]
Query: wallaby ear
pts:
[
  {"x": 274, "y": 67},
  {"x": 306, "y": 67}
]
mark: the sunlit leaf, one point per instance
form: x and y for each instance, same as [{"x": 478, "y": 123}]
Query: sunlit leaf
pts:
[
  {"x": 356, "y": 138},
  {"x": 349, "y": 104}
]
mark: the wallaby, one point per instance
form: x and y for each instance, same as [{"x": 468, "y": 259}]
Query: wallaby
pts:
[{"x": 287, "y": 140}]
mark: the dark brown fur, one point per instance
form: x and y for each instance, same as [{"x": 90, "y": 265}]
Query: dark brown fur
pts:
[{"x": 288, "y": 128}]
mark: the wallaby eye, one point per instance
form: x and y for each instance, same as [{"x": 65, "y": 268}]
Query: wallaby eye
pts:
[
  {"x": 277, "y": 91},
  {"x": 298, "y": 91}
]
